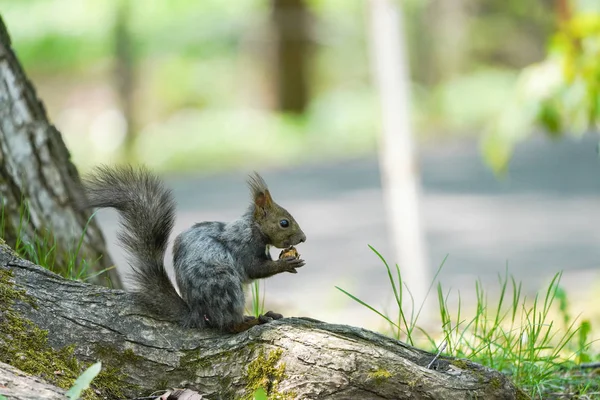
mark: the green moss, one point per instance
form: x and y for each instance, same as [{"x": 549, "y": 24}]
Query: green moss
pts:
[
  {"x": 194, "y": 361},
  {"x": 462, "y": 364},
  {"x": 264, "y": 372},
  {"x": 162, "y": 384},
  {"x": 111, "y": 381},
  {"x": 110, "y": 355},
  {"x": 496, "y": 383},
  {"x": 6, "y": 248},
  {"x": 9, "y": 294},
  {"x": 380, "y": 375},
  {"x": 25, "y": 346},
  {"x": 521, "y": 395},
  {"x": 227, "y": 389}
]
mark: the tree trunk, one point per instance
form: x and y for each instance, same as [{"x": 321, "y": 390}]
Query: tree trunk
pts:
[
  {"x": 301, "y": 358},
  {"x": 124, "y": 73},
  {"x": 448, "y": 23},
  {"x": 291, "y": 24},
  {"x": 397, "y": 159},
  {"x": 35, "y": 168}
]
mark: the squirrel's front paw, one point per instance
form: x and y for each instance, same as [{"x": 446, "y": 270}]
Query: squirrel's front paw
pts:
[{"x": 289, "y": 264}]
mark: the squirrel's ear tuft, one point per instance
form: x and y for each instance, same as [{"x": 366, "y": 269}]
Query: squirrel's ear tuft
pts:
[{"x": 259, "y": 191}]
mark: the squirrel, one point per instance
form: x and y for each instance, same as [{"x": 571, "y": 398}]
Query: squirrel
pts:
[{"x": 212, "y": 260}]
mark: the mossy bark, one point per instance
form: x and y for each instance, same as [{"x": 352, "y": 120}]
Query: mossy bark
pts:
[
  {"x": 301, "y": 358},
  {"x": 36, "y": 169}
]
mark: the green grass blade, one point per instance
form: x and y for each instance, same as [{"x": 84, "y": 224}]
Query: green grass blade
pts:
[
  {"x": 391, "y": 278},
  {"x": 368, "y": 306},
  {"x": 83, "y": 381}
]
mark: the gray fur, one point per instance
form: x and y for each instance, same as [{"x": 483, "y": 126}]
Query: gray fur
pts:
[
  {"x": 147, "y": 211},
  {"x": 212, "y": 260},
  {"x": 209, "y": 266},
  {"x": 257, "y": 185}
]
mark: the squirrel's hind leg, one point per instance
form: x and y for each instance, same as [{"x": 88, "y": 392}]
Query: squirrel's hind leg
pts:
[{"x": 221, "y": 298}]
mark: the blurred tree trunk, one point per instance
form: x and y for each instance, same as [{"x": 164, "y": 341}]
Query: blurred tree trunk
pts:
[
  {"x": 291, "y": 21},
  {"x": 448, "y": 24},
  {"x": 420, "y": 37},
  {"x": 124, "y": 73},
  {"x": 400, "y": 178},
  {"x": 35, "y": 168},
  {"x": 563, "y": 10}
]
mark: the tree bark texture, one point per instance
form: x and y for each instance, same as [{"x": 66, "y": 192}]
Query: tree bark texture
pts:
[
  {"x": 16, "y": 385},
  {"x": 35, "y": 167},
  {"x": 397, "y": 156},
  {"x": 291, "y": 21},
  {"x": 293, "y": 357},
  {"x": 124, "y": 72}
]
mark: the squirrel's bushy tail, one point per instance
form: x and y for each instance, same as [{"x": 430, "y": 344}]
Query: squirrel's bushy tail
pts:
[{"x": 147, "y": 211}]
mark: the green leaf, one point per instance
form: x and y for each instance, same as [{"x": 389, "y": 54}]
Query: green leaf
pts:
[
  {"x": 84, "y": 380},
  {"x": 549, "y": 118},
  {"x": 561, "y": 296},
  {"x": 584, "y": 331},
  {"x": 260, "y": 394}
]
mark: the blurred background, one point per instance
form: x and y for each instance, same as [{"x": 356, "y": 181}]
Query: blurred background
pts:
[{"x": 203, "y": 91}]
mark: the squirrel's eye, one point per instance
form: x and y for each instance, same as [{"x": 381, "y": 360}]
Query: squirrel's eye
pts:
[{"x": 284, "y": 223}]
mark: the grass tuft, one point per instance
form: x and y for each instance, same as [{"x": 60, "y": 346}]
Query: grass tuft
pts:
[
  {"x": 258, "y": 299},
  {"x": 515, "y": 335},
  {"x": 41, "y": 249}
]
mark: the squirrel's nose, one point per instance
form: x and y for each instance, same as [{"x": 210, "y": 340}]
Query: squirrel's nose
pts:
[{"x": 303, "y": 238}]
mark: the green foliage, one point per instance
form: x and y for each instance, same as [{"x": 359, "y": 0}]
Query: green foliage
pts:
[
  {"x": 41, "y": 249},
  {"x": 473, "y": 109},
  {"x": 192, "y": 82},
  {"x": 260, "y": 394},
  {"x": 560, "y": 95},
  {"x": 403, "y": 326},
  {"x": 83, "y": 381},
  {"x": 583, "y": 343},
  {"x": 195, "y": 82},
  {"x": 515, "y": 335}
]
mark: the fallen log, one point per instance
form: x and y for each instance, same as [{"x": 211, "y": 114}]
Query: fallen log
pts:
[
  {"x": 290, "y": 358},
  {"x": 16, "y": 385}
]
